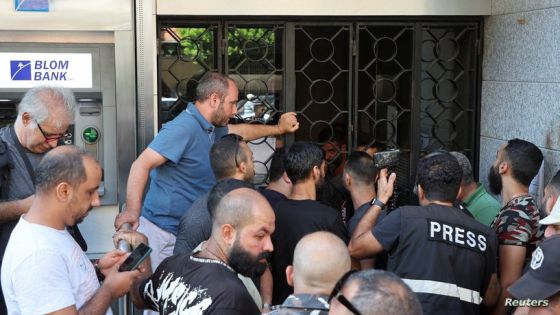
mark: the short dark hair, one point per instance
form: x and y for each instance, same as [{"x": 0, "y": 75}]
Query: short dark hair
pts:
[
  {"x": 439, "y": 175},
  {"x": 554, "y": 183},
  {"x": 465, "y": 165},
  {"x": 61, "y": 164},
  {"x": 212, "y": 82},
  {"x": 300, "y": 160},
  {"x": 335, "y": 133},
  {"x": 221, "y": 189},
  {"x": 222, "y": 156},
  {"x": 525, "y": 160},
  {"x": 382, "y": 292},
  {"x": 361, "y": 167},
  {"x": 277, "y": 165},
  {"x": 365, "y": 141}
]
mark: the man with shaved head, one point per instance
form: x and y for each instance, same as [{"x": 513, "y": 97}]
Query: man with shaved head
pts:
[
  {"x": 206, "y": 282},
  {"x": 320, "y": 259}
]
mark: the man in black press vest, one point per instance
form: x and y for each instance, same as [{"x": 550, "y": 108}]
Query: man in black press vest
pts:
[
  {"x": 44, "y": 115},
  {"x": 446, "y": 257}
]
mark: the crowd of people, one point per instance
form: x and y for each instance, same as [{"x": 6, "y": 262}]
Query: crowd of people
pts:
[{"x": 222, "y": 246}]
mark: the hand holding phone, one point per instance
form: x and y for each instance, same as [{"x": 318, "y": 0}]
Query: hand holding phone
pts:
[{"x": 136, "y": 257}]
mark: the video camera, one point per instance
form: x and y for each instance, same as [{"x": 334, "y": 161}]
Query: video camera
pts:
[{"x": 387, "y": 159}]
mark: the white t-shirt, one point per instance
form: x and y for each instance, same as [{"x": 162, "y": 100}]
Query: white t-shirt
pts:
[{"x": 45, "y": 270}]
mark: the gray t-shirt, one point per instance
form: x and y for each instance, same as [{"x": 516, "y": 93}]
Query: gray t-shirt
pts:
[
  {"x": 19, "y": 184},
  {"x": 195, "y": 226}
]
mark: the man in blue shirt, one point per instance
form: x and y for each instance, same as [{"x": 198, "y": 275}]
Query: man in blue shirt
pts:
[{"x": 178, "y": 165}]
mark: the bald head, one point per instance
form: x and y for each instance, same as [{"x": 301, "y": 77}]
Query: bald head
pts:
[
  {"x": 320, "y": 259},
  {"x": 239, "y": 207},
  {"x": 61, "y": 164}
]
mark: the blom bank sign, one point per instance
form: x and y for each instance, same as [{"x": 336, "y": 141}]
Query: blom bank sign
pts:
[{"x": 26, "y": 70}]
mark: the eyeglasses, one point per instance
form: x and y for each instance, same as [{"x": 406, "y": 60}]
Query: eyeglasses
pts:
[
  {"x": 237, "y": 138},
  {"x": 49, "y": 136},
  {"x": 337, "y": 294}
]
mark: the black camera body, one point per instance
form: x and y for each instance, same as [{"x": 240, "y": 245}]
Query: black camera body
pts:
[
  {"x": 387, "y": 159},
  {"x": 390, "y": 160}
]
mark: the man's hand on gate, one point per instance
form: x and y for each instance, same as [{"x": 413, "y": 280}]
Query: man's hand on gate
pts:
[
  {"x": 133, "y": 238},
  {"x": 288, "y": 123},
  {"x": 127, "y": 216}
]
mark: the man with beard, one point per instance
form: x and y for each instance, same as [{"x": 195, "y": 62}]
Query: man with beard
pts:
[
  {"x": 44, "y": 114},
  {"x": 45, "y": 271},
  {"x": 551, "y": 204},
  {"x": 178, "y": 165},
  {"x": 206, "y": 282},
  {"x": 334, "y": 146},
  {"x": 480, "y": 203},
  {"x": 230, "y": 158},
  {"x": 443, "y": 254},
  {"x": 517, "y": 224},
  {"x": 300, "y": 214}
]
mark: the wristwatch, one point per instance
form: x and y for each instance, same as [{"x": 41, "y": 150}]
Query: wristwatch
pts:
[{"x": 377, "y": 202}]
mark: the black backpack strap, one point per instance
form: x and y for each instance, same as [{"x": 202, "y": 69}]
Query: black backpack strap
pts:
[
  {"x": 73, "y": 230},
  {"x": 77, "y": 235},
  {"x": 5, "y": 166},
  {"x": 22, "y": 153}
]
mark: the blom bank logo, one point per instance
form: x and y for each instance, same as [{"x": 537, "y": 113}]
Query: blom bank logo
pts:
[
  {"x": 26, "y": 70},
  {"x": 20, "y": 70}
]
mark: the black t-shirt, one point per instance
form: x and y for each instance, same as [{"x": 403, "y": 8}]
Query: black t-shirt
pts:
[
  {"x": 294, "y": 220},
  {"x": 334, "y": 194},
  {"x": 273, "y": 196},
  {"x": 183, "y": 284}
]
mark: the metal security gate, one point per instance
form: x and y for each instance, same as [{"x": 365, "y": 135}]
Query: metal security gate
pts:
[{"x": 409, "y": 84}]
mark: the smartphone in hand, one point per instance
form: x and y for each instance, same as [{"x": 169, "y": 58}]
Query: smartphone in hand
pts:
[{"x": 136, "y": 257}]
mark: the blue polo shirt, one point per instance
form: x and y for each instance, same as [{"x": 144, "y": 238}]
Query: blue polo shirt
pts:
[{"x": 185, "y": 142}]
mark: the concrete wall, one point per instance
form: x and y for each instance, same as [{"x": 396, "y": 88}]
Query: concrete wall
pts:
[
  {"x": 521, "y": 79},
  {"x": 70, "y": 15},
  {"x": 324, "y": 7}
]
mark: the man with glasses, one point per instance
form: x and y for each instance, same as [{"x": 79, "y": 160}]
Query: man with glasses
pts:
[
  {"x": 178, "y": 165},
  {"x": 373, "y": 292},
  {"x": 44, "y": 115},
  {"x": 320, "y": 259}
]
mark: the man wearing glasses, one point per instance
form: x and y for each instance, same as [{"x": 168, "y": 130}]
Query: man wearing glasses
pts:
[
  {"x": 178, "y": 165},
  {"x": 372, "y": 292},
  {"x": 44, "y": 115}
]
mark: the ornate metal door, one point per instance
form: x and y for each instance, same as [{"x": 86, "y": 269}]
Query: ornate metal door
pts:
[{"x": 413, "y": 85}]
